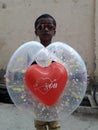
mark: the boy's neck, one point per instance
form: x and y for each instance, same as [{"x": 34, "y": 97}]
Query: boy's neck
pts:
[{"x": 45, "y": 43}]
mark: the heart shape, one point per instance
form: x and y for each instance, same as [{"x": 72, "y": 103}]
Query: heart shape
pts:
[{"x": 46, "y": 83}]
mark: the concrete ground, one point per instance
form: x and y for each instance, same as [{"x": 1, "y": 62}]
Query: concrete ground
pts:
[{"x": 12, "y": 119}]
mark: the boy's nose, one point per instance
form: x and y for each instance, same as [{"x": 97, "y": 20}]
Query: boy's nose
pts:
[{"x": 46, "y": 28}]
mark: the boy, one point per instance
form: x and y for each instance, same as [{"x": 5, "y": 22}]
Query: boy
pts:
[{"x": 45, "y": 29}]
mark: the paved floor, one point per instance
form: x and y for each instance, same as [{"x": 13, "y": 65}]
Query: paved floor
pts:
[{"x": 12, "y": 119}]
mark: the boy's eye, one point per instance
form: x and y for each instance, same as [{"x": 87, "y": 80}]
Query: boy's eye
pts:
[{"x": 44, "y": 26}]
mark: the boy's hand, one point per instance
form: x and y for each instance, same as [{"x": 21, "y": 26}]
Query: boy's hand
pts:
[
  {"x": 5, "y": 78},
  {"x": 88, "y": 80}
]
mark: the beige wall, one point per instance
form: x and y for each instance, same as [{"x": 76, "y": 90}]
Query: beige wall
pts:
[
  {"x": 96, "y": 39},
  {"x": 75, "y": 26}
]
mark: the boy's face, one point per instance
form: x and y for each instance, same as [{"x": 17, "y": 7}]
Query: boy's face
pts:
[{"x": 45, "y": 30}]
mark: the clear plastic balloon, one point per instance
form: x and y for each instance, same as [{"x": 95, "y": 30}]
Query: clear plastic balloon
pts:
[
  {"x": 59, "y": 52},
  {"x": 43, "y": 58}
]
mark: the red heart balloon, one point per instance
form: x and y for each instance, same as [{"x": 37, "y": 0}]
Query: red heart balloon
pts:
[{"x": 46, "y": 83}]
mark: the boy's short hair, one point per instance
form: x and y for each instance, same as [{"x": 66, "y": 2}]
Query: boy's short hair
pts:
[{"x": 44, "y": 16}]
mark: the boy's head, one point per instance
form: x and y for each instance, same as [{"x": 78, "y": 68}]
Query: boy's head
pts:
[
  {"x": 44, "y": 16},
  {"x": 45, "y": 28}
]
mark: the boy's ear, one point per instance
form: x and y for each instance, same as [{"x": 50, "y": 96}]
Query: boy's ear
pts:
[
  {"x": 54, "y": 32},
  {"x": 36, "y": 33}
]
